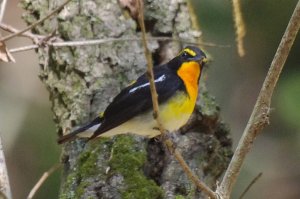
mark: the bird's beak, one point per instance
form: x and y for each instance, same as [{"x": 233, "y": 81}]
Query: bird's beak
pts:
[{"x": 203, "y": 61}]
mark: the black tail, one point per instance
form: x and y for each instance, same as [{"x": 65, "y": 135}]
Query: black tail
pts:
[{"x": 72, "y": 135}]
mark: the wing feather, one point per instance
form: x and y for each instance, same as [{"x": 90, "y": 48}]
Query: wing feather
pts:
[{"x": 136, "y": 98}]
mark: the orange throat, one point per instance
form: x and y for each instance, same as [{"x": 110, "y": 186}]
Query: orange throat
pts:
[{"x": 190, "y": 72}]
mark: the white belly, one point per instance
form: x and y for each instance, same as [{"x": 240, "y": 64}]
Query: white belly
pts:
[
  {"x": 174, "y": 114},
  {"x": 140, "y": 125}
]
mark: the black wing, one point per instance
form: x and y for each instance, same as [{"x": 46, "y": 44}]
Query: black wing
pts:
[{"x": 136, "y": 98}]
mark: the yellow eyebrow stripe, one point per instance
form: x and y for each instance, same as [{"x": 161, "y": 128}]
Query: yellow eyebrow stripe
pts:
[{"x": 189, "y": 51}]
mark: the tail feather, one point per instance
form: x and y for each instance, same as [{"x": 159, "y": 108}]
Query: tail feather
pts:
[{"x": 72, "y": 135}]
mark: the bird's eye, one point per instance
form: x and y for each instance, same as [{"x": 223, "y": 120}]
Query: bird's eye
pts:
[{"x": 184, "y": 54}]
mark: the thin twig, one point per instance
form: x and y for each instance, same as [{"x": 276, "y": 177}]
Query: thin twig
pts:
[
  {"x": 250, "y": 185},
  {"x": 42, "y": 180},
  {"x": 24, "y": 48},
  {"x": 167, "y": 141},
  {"x": 35, "y": 37},
  {"x": 5, "y": 189},
  {"x": 201, "y": 185},
  {"x": 150, "y": 74},
  {"x": 2, "y": 11},
  {"x": 240, "y": 29},
  {"x": 260, "y": 115},
  {"x": 27, "y": 34},
  {"x": 102, "y": 41},
  {"x": 36, "y": 23}
]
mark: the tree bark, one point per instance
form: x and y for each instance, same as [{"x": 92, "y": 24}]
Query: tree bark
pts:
[{"x": 82, "y": 81}]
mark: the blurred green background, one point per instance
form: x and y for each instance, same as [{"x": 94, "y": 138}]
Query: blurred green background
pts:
[{"x": 28, "y": 132}]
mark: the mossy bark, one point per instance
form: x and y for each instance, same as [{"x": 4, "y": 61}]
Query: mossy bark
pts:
[{"x": 82, "y": 81}]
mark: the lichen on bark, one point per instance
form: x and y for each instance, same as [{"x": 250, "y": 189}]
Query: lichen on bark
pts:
[{"x": 82, "y": 81}]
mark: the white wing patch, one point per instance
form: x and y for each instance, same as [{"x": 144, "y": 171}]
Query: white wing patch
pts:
[
  {"x": 89, "y": 132},
  {"x": 160, "y": 79},
  {"x": 94, "y": 128}
]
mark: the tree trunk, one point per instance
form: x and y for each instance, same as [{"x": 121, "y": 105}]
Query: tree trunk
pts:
[{"x": 82, "y": 81}]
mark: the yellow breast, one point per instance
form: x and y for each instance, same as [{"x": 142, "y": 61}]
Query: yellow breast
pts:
[{"x": 176, "y": 111}]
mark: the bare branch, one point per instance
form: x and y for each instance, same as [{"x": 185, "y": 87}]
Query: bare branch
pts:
[
  {"x": 201, "y": 185},
  {"x": 4, "y": 180},
  {"x": 102, "y": 41},
  {"x": 150, "y": 74},
  {"x": 2, "y": 11},
  {"x": 36, "y": 23},
  {"x": 250, "y": 185},
  {"x": 27, "y": 34},
  {"x": 240, "y": 29},
  {"x": 5, "y": 55},
  {"x": 37, "y": 39},
  {"x": 167, "y": 141},
  {"x": 24, "y": 48},
  {"x": 42, "y": 180},
  {"x": 260, "y": 115}
]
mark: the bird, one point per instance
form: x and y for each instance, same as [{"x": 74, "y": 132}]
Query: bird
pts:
[{"x": 131, "y": 111}]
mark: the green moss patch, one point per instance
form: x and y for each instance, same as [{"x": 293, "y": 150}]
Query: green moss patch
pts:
[{"x": 128, "y": 160}]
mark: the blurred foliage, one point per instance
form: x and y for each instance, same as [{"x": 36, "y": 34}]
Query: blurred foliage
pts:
[
  {"x": 288, "y": 100},
  {"x": 236, "y": 82},
  {"x": 34, "y": 152}
]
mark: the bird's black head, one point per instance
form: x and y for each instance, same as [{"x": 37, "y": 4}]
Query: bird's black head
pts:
[
  {"x": 188, "y": 54},
  {"x": 192, "y": 53}
]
